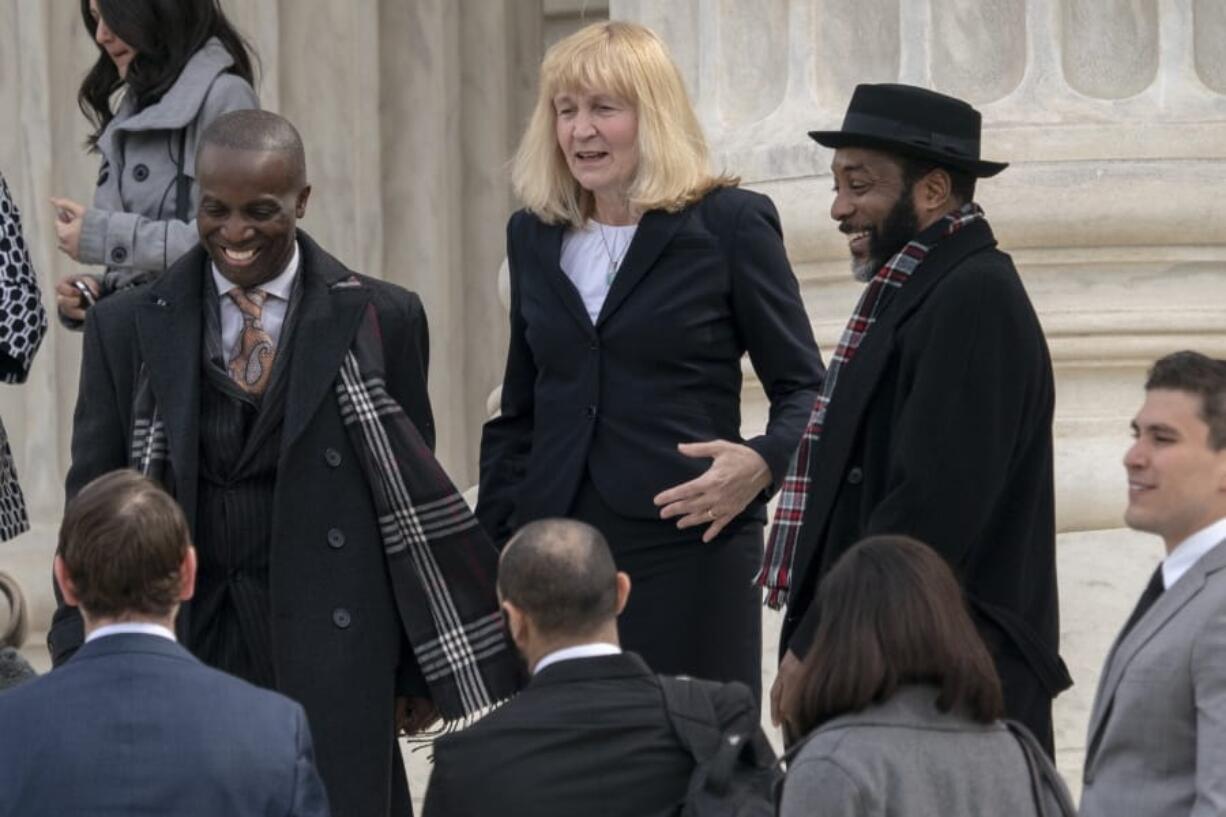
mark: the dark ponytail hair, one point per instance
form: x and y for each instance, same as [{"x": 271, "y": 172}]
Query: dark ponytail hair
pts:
[{"x": 165, "y": 34}]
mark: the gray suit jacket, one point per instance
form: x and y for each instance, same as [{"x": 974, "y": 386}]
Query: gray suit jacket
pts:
[
  {"x": 133, "y": 724},
  {"x": 905, "y": 758},
  {"x": 1157, "y": 737}
]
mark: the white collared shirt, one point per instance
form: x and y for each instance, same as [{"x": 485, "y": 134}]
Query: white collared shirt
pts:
[
  {"x": 272, "y": 317},
  {"x": 1188, "y": 552},
  {"x": 579, "y": 651},
  {"x": 130, "y": 627}
]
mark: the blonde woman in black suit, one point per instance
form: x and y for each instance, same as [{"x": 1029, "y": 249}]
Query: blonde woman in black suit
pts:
[{"x": 639, "y": 280}]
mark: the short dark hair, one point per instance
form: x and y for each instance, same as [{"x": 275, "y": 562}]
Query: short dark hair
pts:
[
  {"x": 165, "y": 34},
  {"x": 961, "y": 183},
  {"x": 890, "y": 612},
  {"x": 561, "y": 574},
  {"x": 1197, "y": 374},
  {"x": 123, "y": 540},
  {"x": 257, "y": 130}
]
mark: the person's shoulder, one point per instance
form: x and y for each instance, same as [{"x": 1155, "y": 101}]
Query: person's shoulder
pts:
[
  {"x": 241, "y": 701},
  {"x": 230, "y": 86},
  {"x": 732, "y": 200}
]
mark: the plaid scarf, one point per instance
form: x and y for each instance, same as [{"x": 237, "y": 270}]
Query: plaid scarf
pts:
[
  {"x": 442, "y": 566},
  {"x": 776, "y": 572}
]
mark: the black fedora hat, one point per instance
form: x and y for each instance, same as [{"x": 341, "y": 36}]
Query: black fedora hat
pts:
[{"x": 914, "y": 122}]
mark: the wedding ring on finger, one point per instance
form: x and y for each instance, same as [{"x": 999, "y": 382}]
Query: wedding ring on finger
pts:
[{"x": 711, "y": 514}]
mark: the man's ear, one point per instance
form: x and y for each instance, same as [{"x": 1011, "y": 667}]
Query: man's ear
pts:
[
  {"x": 933, "y": 192},
  {"x": 623, "y": 591},
  {"x": 187, "y": 574},
  {"x": 300, "y": 205},
  {"x": 517, "y": 622},
  {"x": 67, "y": 588}
]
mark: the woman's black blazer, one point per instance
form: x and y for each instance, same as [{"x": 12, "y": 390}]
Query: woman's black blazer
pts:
[{"x": 661, "y": 366}]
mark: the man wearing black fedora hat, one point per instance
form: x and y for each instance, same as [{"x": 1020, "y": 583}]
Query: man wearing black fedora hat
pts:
[{"x": 935, "y": 417}]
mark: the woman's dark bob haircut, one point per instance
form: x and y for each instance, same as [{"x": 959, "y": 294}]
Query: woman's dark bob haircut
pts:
[
  {"x": 891, "y": 613},
  {"x": 165, "y": 34}
]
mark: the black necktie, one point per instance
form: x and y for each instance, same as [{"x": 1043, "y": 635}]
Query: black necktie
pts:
[{"x": 1152, "y": 591}]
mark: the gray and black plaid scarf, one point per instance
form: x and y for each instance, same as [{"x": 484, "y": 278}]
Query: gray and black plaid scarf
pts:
[{"x": 441, "y": 564}]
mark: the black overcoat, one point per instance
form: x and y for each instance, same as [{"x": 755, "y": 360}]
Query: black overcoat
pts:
[
  {"x": 941, "y": 428},
  {"x": 337, "y": 639}
]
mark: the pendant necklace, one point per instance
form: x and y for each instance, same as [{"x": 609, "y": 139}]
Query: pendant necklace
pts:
[{"x": 615, "y": 260}]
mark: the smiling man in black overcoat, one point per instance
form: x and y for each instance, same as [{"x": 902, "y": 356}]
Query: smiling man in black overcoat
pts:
[
  {"x": 281, "y": 398},
  {"x": 935, "y": 420}
]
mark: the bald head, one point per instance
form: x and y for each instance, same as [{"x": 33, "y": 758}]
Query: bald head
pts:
[
  {"x": 560, "y": 573},
  {"x": 257, "y": 131}
]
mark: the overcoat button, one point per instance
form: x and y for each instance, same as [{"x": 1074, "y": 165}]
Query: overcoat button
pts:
[
  {"x": 332, "y": 457},
  {"x": 855, "y": 476},
  {"x": 590, "y": 411},
  {"x": 594, "y": 345},
  {"x": 336, "y": 538},
  {"x": 140, "y": 173},
  {"x": 341, "y": 618},
  {"x": 119, "y": 255}
]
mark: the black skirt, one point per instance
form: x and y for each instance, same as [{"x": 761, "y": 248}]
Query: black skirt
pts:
[{"x": 693, "y": 608}]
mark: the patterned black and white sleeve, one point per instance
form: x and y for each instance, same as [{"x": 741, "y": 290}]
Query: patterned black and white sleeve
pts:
[{"x": 23, "y": 322}]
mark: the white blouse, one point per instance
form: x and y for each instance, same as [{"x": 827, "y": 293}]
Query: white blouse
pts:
[{"x": 591, "y": 257}]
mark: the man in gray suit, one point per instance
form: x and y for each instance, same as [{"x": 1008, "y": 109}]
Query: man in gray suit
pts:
[
  {"x": 1157, "y": 737},
  {"x": 133, "y": 724}
]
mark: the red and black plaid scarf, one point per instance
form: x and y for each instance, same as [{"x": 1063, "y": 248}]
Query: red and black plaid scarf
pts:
[{"x": 776, "y": 572}]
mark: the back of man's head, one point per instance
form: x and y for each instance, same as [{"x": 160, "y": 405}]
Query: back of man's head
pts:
[
  {"x": 560, "y": 574},
  {"x": 123, "y": 543},
  {"x": 1198, "y": 375}
]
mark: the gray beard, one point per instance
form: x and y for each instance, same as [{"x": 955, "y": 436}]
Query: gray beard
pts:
[{"x": 863, "y": 271}]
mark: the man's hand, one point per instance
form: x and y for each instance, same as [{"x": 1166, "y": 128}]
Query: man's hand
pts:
[
  {"x": 68, "y": 298},
  {"x": 737, "y": 475},
  {"x": 70, "y": 217},
  {"x": 784, "y": 686},
  {"x": 415, "y": 715}
]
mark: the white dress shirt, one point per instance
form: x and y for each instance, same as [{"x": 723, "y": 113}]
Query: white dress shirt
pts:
[
  {"x": 579, "y": 651},
  {"x": 1186, "y": 554},
  {"x": 127, "y": 627},
  {"x": 272, "y": 316}
]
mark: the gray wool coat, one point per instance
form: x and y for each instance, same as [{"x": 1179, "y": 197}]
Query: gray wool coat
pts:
[
  {"x": 905, "y": 758},
  {"x": 131, "y": 228}
]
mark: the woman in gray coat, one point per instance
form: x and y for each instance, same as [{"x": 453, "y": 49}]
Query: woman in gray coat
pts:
[
  {"x": 902, "y": 705},
  {"x": 180, "y": 64}
]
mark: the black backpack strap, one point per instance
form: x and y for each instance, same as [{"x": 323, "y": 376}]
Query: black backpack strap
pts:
[
  {"x": 183, "y": 184},
  {"x": 692, "y": 715}
]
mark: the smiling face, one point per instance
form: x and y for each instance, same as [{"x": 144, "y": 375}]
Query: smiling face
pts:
[
  {"x": 1176, "y": 480},
  {"x": 250, "y": 203},
  {"x": 872, "y": 206},
  {"x": 598, "y": 134},
  {"x": 120, "y": 52}
]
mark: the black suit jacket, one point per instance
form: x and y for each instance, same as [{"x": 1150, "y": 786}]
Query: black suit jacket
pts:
[
  {"x": 338, "y": 643},
  {"x": 940, "y": 428},
  {"x": 589, "y": 736},
  {"x": 661, "y": 366},
  {"x": 133, "y": 724}
]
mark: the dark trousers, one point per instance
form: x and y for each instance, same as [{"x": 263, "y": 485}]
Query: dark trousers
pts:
[{"x": 693, "y": 607}]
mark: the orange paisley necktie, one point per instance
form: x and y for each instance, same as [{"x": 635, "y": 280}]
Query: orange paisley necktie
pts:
[{"x": 252, "y": 363}]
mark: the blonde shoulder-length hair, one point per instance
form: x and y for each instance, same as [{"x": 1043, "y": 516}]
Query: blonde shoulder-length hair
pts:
[{"x": 632, "y": 63}]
